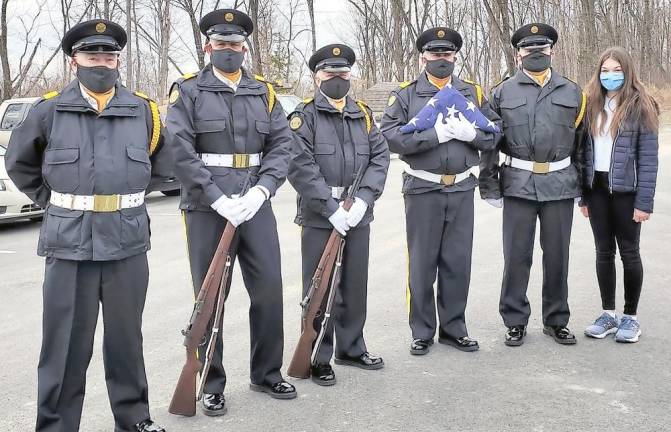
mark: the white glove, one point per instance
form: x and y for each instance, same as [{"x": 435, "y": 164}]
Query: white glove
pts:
[
  {"x": 228, "y": 208},
  {"x": 443, "y": 129},
  {"x": 251, "y": 202},
  {"x": 339, "y": 221},
  {"x": 356, "y": 212},
  {"x": 576, "y": 200},
  {"x": 454, "y": 128},
  {"x": 498, "y": 203},
  {"x": 462, "y": 129}
]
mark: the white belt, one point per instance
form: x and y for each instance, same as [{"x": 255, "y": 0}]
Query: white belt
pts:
[
  {"x": 97, "y": 203},
  {"x": 537, "y": 167},
  {"x": 237, "y": 160},
  {"x": 445, "y": 179}
]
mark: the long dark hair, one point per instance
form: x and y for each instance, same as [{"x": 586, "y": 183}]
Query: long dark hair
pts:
[{"x": 633, "y": 101}]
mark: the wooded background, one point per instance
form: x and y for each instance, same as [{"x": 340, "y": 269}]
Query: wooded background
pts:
[{"x": 165, "y": 42}]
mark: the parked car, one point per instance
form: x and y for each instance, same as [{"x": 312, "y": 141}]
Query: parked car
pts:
[
  {"x": 13, "y": 204},
  {"x": 289, "y": 102},
  {"x": 12, "y": 114}
]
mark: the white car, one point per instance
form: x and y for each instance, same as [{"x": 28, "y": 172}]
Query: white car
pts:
[{"x": 13, "y": 204}]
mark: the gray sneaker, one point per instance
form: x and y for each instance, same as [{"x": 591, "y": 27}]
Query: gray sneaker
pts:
[
  {"x": 602, "y": 327},
  {"x": 629, "y": 330}
]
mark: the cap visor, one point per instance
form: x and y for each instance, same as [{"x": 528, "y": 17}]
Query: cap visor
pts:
[{"x": 227, "y": 37}]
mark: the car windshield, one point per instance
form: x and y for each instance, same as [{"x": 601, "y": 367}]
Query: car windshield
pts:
[
  {"x": 14, "y": 115},
  {"x": 289, "y": 102}
]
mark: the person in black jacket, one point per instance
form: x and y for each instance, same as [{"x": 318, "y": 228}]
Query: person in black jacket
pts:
[
  {"x": 542, "y": 114},
  {"x": 620, "y": 173},
  {"x": 438, "y": 190},
  {"x": 334, "y": 137}
]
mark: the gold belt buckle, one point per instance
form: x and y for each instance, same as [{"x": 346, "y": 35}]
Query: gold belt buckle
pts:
[
  {"x": 541, "y": 167},
  {"x": 240, "y": 160},
  {"x": 448, "y": 179},
  {"x": 106, "y": 203}
]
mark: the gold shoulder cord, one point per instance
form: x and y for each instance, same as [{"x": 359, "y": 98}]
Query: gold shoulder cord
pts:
[{"x": 156, "y": 122}]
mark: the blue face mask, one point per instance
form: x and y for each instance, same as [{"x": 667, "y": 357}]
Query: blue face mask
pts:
[{"x": 612, "y": 80}]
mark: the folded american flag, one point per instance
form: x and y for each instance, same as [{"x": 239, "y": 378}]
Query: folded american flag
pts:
[{"x": 453, "y": 105}]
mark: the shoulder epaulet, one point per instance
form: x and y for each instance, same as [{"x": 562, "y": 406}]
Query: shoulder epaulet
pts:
[
  {"x": 478, "y": 90},
  {"x": 189, "y": 75},
  {"x": 404, "y": 84},
  {"x": 308, "y": 100},
  {"x": 50, "y": 95},
  {"x": 500, "y": 82},
  {"x": 155, "y": 121},
  {"x": 364, "y": 109},
  {"x": 271, "y": 92},
  {"x": 581, "y": 113}
]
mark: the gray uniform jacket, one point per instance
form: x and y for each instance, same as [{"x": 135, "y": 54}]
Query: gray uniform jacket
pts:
[
  {"x": 542, "y": 124},
  {"x": 66, "y": 146},
  {"x": 422, "y": 150},
  {"x": 330, "y": 147},
  {"x": 207, "y": 116}
]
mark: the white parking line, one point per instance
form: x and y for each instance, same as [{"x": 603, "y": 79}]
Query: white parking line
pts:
[{"x": 7, "y": 252}]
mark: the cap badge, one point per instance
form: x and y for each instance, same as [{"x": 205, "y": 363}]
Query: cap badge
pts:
[
  {"x": 441, "y": 33},
  {"x": 336, "y": 51},
  {"x": 101, "y": 27},
  {"x": 228, "y": 17},
  {"x": 534, "y": 29}
]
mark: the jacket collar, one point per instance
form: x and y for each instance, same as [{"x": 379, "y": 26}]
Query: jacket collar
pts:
[
  {"x": 122, "y": 104},
  {"x": 351, "y": 108},
  {"x": 209, "y": 82}
]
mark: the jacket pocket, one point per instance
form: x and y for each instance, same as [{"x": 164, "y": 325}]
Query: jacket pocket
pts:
[
  {"x": 514, "y": 112},
  {"x": 61, "y": 169},
  {"x": 208, "y": 126},
  {"x": 263, "y": 127},
  {"x": 134, "y": 227},
  {"x": 62, "y": 228},
  {"x": 138, "y": 168},
  {"x": 564, "y": 110}
]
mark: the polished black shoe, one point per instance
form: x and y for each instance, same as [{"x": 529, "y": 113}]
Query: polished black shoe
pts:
[
  {"x": 147, "y": 426},
  {"x": 420, "y": 346},
  {"x": 562, "y": 335},
  {"x": 279, "y": 390},
  {"x": 364, "y": 361},
  {"x": 323, "y": 374},
  {"x": 463, "y": 343},
  {"x": 515, "y": 335},
  {"x": 214, "y": 404}
]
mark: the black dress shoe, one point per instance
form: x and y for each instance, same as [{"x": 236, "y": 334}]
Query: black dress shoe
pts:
[
  {"x": 562, "y": 335},
  {"x": 515, "y": 335},
  {"x": 147, "y": 426},
  {"x": 323, "y": 374},
  {"x": 420, "y": 346},
  {"x": 279, "y": 390},
  {"x": 214, "y": 404},
  {"x": 463, "y": 343},
  {"x": 364, "y": 361}
]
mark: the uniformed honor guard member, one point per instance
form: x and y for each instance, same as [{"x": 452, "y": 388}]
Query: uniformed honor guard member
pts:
[
  {"x": 335, "y": 137},
  {"x": 67, "y": 156},
  {"x": 542, "y": 121},
  {"x": 438, "y": 189},
  {"x": 222, "y": 124}
]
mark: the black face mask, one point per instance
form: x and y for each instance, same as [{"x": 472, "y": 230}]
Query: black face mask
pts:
[
  {"x": 440, "y": 68},
  {"x": 335, "y": 88},
  {"x": 98, "y": 79},
  {"x": 227, "y": 60},
  {"x": 537, "y": 61}
]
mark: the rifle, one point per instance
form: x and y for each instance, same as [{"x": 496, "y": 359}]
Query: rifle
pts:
[
  {"x": 212, "y": 291},
  {"x": 319, "y": 286}
]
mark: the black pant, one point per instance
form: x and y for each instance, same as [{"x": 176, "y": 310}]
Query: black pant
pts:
[
  {"x": 349, "y": 308},
  {"x": 258, "y": 248},
  {"x": 439, "y": 227},
  {"x": 73, "y": 292},
  {"x": 611, "y": 218},
  {"x": 519, "y": 231}
]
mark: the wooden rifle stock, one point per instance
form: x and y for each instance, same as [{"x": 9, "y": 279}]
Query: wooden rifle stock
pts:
[
  {"x": 213, "y": 291},
  {"x": 319, "y": 287}
]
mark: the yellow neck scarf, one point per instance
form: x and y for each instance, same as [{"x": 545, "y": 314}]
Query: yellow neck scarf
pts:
[
  {"x": 438, "y": 82},
  {"x": 540, "y": 77},
  {"x": 101, "y": 98}
]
